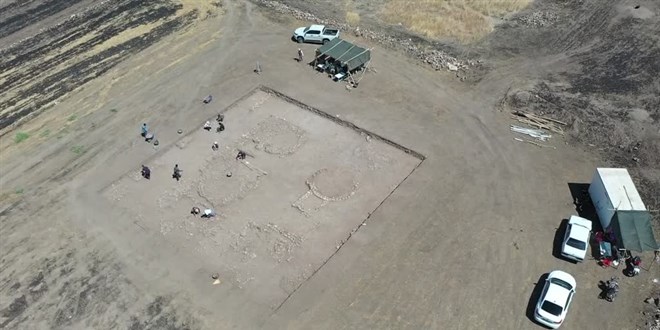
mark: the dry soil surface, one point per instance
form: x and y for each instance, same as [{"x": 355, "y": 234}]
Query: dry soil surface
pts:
[{"x": 443, "y": 221}]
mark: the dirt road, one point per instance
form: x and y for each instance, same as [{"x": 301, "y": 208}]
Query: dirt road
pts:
[{"x": 460, "y": 242}]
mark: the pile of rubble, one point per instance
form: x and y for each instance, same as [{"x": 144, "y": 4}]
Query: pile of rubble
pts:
[
  {"x": 437, "y": 59},
  {"x": 537, "y": 19},
  {"x": 652, "y": 313}
]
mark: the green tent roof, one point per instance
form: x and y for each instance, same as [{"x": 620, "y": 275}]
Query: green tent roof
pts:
[
  {"x": 346, "y": 53},
  {"x": 633, "y": 230}
]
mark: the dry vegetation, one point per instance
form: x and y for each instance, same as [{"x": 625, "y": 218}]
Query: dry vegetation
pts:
[
  {"x": 352, "y": 16},
  {"x": 462, "y": 20}
]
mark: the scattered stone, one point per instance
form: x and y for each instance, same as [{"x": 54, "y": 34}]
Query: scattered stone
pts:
[
  {"x": 521, "y": 98},
  {"x": 229, "y": 174},
  {"x": 180, "y": 131},
  {"x": 215, "y": 276},
  {"x": 537, "y": 19},
  {"x": 649, "y": 300}
]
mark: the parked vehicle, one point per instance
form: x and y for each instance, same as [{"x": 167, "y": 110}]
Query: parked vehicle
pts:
[
  {"x": 555, "y": 299},
  {"x": 315, "y": 33},
  {"x": 576, "y": 238}
]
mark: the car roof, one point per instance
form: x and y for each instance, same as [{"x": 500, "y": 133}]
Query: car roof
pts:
[
  {"x": 316, "y": 27},
  {"x": 580, "y": 233},
  {"x": 557, "y": 295}
]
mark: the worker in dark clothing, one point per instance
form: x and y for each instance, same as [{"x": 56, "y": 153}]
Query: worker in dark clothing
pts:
[
  {"x": 241, "y": 155},
  {"x": 177, "y": 172},
  {"x": 146, "y": 172},
  {"x": 144, "y": 130}
]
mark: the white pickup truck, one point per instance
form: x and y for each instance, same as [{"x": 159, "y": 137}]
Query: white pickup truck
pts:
[{"x": 315, "y": 33}]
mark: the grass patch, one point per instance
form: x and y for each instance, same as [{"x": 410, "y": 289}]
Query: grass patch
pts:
[
  {"x": 44, "y": 133},
  {"x": 114, "y": 110},
  {"x": 352, "y": 18},
  {"x": 21, "y": 136},
  {"x": 463, "y": 20},
  {"x": 18, "y": 191},
  {"x": 72, "y": 117},
  {"x": 78, "y": 149}
]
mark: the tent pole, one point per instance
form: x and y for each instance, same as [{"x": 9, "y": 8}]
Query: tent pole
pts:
[
  {"x": 350, "y": 79},
  {"x": 364, "y": 71}
]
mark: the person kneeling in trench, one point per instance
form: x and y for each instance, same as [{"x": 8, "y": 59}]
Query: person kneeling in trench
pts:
[
  {"x": 241, "y": 155},
  {"x": 195, "y": 211}
]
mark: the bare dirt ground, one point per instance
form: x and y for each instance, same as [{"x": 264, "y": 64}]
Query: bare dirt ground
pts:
[{"x": 458, "y": 240}]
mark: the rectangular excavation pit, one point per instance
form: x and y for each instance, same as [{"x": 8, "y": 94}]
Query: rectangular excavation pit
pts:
[{"x": 308, "y": 180}]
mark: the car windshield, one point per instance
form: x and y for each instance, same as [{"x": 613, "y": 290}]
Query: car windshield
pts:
[
  {"x": 576, "y": 244},
  {"x": 306, "y": 29},
  {"x": 551, "y": 308},
  {"x": 561, "y": 284}
]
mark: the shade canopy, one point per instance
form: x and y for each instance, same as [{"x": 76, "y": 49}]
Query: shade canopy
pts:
[
  {"x": 633, "y": 230},
  {"x": 346, "y": 53}
]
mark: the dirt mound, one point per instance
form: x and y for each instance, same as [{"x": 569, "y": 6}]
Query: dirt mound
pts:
[{"x": 609, "y": 87}]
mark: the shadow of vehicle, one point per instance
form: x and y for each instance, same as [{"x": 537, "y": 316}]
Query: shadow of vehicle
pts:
[
  {"x": 585, "y": 209},
  {"x": 559, "y": 239},
  {"x": 534, "y": 298}
]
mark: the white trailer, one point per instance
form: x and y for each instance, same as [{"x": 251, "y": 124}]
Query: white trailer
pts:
[{"x": 611, "y": 190}]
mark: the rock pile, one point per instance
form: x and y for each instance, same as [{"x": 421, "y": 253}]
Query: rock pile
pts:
[
  {"x": 437, "y": 59},
  {"x": 537, "y": 19}
]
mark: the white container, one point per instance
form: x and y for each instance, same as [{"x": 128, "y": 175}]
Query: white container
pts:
[{"x": 612, "y": 189}]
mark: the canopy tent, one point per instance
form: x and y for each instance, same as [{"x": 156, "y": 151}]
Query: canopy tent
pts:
[
  {"x": 633, "y": 230},
  {"x": 348, "y": 54},
  {"x": 342, "y": 59}
]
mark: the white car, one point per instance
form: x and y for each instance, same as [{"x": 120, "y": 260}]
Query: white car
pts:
[
  {"x": 576, "y": 239},
  {"x": 315, "y": 33},
  {"x": 555, "y": 299}
]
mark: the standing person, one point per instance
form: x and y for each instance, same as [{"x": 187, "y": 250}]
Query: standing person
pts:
[
  {"x": 145, "y": 130},
  {"x": 300, "y": 55},
  {"x": 177, "y": 172}
]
